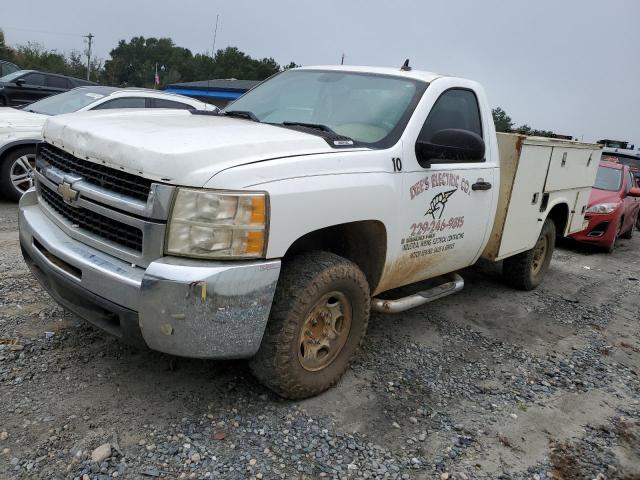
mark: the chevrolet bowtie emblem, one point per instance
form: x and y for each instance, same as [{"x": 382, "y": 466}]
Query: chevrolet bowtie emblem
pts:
[{"x": 69, "y": 195}]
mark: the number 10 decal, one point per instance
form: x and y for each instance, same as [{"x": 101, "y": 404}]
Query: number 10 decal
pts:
[{"x": 397, "y": 164}]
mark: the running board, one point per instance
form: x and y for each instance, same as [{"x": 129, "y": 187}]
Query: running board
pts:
[{"x": 455, "y": 284}]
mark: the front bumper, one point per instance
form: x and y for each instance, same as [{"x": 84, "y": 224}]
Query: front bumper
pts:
[
  {"x": 190, "y": 308},
  {"x": 601, "y": 230}
]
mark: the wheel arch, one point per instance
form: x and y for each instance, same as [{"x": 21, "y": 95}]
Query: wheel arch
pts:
[
  {"x": 16, "y": 144},
  {"x": 560, "y": 214},
  {"x": 363, "y": 242}
]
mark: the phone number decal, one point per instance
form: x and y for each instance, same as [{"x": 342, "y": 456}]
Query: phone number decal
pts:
[{"x": 436, "y": 226}]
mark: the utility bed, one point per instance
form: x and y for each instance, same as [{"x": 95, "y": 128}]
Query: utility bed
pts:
[{"x": 535, "y": 174}]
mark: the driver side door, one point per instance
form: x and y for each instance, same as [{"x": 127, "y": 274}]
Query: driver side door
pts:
[{"x": 447, "y": 205}]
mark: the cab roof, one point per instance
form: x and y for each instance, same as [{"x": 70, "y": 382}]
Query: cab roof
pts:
[{"x": 396, "y": 72}]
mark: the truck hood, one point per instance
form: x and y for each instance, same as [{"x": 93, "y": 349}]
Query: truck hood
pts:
[
  {"x": 175, "y": 146},
  {"x": 12, "y": 119}
]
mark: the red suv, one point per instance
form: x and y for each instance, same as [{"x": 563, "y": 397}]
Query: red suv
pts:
[{"x": 613, "y": 207}]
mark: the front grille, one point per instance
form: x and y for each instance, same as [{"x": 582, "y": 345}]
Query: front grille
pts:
[
  {"x": 101, "y": 175},
  {"x": 107, "y": 228}
]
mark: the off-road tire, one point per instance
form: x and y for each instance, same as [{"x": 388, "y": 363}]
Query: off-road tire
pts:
[
  {"x": 638, "y": 221},
  {"x": 6, "y": 187},
  {"x": 303, "y": 281},
  {"x": 518, "y": 270}
]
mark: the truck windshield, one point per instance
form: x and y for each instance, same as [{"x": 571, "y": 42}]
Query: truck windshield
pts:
[
  {"x": 368, "y": 108},
  {"x": 66, "y": 102},
  {"x": 608, "y": 179}
]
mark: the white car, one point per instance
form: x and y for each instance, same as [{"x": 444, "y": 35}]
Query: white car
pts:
[{"x": 20, "y": 129}]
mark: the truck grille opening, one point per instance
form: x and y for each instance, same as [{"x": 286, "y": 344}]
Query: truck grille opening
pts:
[
  {"x": 101, "y": 175},
  {"x": 107, "y": 228}
]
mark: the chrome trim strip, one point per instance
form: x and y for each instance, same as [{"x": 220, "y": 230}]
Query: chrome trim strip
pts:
[{"x": 152, "y": 233}]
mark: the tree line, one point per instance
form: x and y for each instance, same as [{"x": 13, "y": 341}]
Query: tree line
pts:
[
  {"x": 503, "y": 123},
  {"x": 133, "y": 63}
]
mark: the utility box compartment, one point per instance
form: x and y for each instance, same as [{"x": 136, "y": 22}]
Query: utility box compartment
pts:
[{"x": 535, "y": 174}]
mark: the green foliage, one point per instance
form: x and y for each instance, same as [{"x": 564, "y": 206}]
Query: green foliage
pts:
[
  {"x": 133, "y": 63},
  {"x": 503, "y": 123},
  {"x": 501, "y": 120}
]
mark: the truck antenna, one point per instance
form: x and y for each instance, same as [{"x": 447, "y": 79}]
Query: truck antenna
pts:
[{"x": 405, "y": 66}]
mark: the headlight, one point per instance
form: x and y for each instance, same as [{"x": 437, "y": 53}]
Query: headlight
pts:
[
  {"x": 213, "y": 224},
  {"x": 602, "y": 208}
]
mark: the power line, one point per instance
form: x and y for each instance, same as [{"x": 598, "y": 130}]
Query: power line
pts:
[{"x": 66, "y": 34}]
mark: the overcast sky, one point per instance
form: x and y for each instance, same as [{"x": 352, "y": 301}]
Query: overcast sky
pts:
[{"x": 572, "y": 66}]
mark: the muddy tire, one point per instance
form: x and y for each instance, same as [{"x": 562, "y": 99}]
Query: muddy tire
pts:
[
  {"x": 16, "y": 172},
  {"x": 319, "y": 316},
  {"x": 526, "y": 270},
  {"x": 638, "y": 221}
]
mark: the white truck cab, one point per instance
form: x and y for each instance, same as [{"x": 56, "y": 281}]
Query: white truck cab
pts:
[{"x": 269, "y": 231}]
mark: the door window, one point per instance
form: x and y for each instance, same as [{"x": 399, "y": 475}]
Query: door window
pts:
[
  {"x": 162, "y": 103},
  {"x": 36, "y": 79},
  {"x": 57, "y": 82},
  {"x": 456, "y": 108},
  {"x": 129, "y": 102}
]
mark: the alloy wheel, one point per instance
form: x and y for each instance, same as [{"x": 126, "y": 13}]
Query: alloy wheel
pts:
[{"x": 21, "y": 172}]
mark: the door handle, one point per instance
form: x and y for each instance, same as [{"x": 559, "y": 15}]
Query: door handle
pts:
[{"x": 481, "y": 185}]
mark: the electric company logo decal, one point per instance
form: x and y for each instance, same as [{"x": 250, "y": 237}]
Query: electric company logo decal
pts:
[
  {"x": 438, "y": 203},
  {"x": 437, "y": 233}
]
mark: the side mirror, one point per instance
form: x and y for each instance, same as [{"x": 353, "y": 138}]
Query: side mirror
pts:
[
  {"x": 20, "y": 82},
  {"x": 634, "y": 192},
  {"x": 451, "y": 145}
]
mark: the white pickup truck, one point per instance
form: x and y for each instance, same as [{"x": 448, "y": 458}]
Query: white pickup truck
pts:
[{"x": 269, "y": 231}]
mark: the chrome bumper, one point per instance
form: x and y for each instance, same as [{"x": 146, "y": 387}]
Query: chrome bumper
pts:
[{"x": 184, "y": 307}]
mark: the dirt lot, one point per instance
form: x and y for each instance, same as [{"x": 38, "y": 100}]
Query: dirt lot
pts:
[{"x": 489, "y": 383}]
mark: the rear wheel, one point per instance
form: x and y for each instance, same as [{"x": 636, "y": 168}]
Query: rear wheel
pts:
[
  {"x": 16, "y": 172},
  {"x": 526, "y": 270},
  {"x": 638, "y": 221},
  {"x": 319, "y": 316}
]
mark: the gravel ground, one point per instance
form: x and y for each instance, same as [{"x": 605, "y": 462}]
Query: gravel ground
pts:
[{"x": 489, "y": 383}]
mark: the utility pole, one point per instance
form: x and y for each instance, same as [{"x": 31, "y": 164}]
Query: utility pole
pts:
[
  {"x": 215, "y": 33},
  {"x": 90, "y": 37}
]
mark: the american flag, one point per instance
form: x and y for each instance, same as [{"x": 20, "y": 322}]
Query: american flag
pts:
[{"x": 157, "y": 79}]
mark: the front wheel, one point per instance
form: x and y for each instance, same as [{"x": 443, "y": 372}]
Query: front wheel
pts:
[
  {"x": 16, "y": 172},
  {"x": 526, "y": 270},
  {"x": 319, "y": 316}
]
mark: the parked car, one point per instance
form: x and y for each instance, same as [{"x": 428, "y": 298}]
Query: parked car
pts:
[
  {"x": 613, "y": 207},
  {"x": 20, "y": 129},
  {"x": 7, "y": 67},
  {"x": 26, "y": 86},
  {"x": 270, "y": 231}
]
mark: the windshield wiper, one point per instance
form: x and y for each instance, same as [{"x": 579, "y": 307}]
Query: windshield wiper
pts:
[
  {"x": 317, "y": 126},
  {"x": 242, "y": 114}
]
